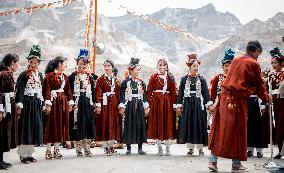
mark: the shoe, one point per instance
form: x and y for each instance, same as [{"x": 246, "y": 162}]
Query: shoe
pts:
[
  {"x": 213, "y": 166},
  {"x": 79, "y": 153},
  {"x": 128, "y": 152},
  {"x": 31, "y": 159},
  {"x": 88, "y": 154},
  {"x": 201, "y": 153},
  {"x": 3, "y": 166},
  {"x": 48, "y": 155},
  {"x": 190, "y": 152},
  {"x": 239, "y": 168},
  {"x": 118, "y": 146},
  {"x": 160, "y": 151},
  {"x": 107, "y": 152},
  {"x": 249, "y": 153},
  {"x": 259, "y": 155},
  {"x": 141, "y": 152},
  {"x": 278, "y": 156},
  {"x": 57, "y": 154},
  {"x": 168, "y": 152},
  {"x": 112, "y": 150},
  {"x": 25, "y": 160},
  {"x": 9, "y": 165},
  {"x": 93, "y": 144}
]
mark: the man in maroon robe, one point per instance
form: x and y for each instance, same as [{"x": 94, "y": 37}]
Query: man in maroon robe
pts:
[{"x": 228, "y": 136}]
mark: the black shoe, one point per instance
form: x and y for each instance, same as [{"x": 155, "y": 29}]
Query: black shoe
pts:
[
  {"x": 128, "y": 152},
  {"x": 277, "y": 157},
  {"x": 259, "y": 155},
  {"x": 9, "y": 165},
  {"x": 25, "y": 160},
  {"x": 141, "y": 152},
  {"x": 31, "y": 159},
  {"x": 3, "y": 166},
  {"x": 249, "y": 153},
  {"x": 190, "y": 152}
]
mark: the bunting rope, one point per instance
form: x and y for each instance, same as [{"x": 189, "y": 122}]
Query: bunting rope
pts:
[
  {"x": 168, "y": 27},
  {"x": 163, "y": 25},
  {"x": 33, "y": 8}
]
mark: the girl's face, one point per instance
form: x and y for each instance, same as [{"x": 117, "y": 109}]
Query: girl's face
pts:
[
  {"x": 226, "y": 67},
  {"x": 162, "y": 67},
  {"x": 14, "y": 66},
  {"x": 194, "y": 68},
  {"x": 62, "y": 66},
  {"x": 135, "y": 72},
  {"x": 33, "y": 64},
  {"x": 275, "y": 64},
  {"x": 81, "y": 65},
  {"x": 108, "y": 68}
]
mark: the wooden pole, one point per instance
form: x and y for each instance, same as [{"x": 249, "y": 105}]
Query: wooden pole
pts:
[{"x": 95, "y": 35}]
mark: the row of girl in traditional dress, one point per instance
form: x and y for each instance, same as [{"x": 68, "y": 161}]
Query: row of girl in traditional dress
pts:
[
  {"x": 69, "y": 104},
  {"x": 81, "y": 108},
  {"x": 258, "y": 118}
]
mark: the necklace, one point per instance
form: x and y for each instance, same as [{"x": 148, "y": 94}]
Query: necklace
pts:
[
  {"x": 160, "y": 80},
  {"x": 135, "y": 89},
  {"x": 107, "y": 82}
]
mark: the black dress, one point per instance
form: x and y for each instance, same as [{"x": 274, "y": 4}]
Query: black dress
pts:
[
  {"x": 9, "y": 124},
  {"x": 29, "y": 96},
  {"x": 193, "y": 97},
  {"x": 258, "y": 125},
  {"x": 134, "y": 100},
  {"x": 82, "y": 121}
]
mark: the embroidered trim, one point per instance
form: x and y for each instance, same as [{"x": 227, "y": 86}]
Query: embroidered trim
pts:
[
  {"x": 146, "y": 105},
  {"x": 178, "y": 105},
  {"x": 208, "y": 104},
  {"x": 20, "y": 105},
  {"x": 1, "y": 108},
  {"x": 34, "y": 86},
  {"x": 98, "y": 105},
  {"x": 121, "y": 105},
  {"x": 48, "y": 102}
]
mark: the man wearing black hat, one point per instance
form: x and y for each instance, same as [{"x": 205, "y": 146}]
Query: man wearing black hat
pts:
[{"x": 228, "y": 136}]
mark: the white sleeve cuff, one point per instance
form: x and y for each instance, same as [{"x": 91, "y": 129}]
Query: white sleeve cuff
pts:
[
  {"x": 178, "y": 105},
  {"x": 1, "y": 108},
  {"x": 208, "y": 104},
  {"x": 20, "y": 105},
  {"x": 146, "y": 105},
  {"x": 71, "y": 103},
  {"x": 121, "y": 105},
  {"x": 262, "y": 107},
  {"x": 98, "y": 105},
  {"x": 174, "y": 106},
  {"x": 48, "y": 102}
]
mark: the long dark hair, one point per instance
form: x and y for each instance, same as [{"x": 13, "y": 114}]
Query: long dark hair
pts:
[
  {"x": 7, "y": 60},
  {"x": 54, "y": 64},
  {"x": 168, "y": 71}
]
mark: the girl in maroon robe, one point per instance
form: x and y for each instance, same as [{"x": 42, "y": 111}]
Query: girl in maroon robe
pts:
[
  {"x": 58, "y": 102},
  {"x": 162, "y": 95},
  {"x": 108, "y": 120},
  {"x": 218, "y": 79},
  {"x": 8, "y": 114},
  {"x": 276, "y": 77}
]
